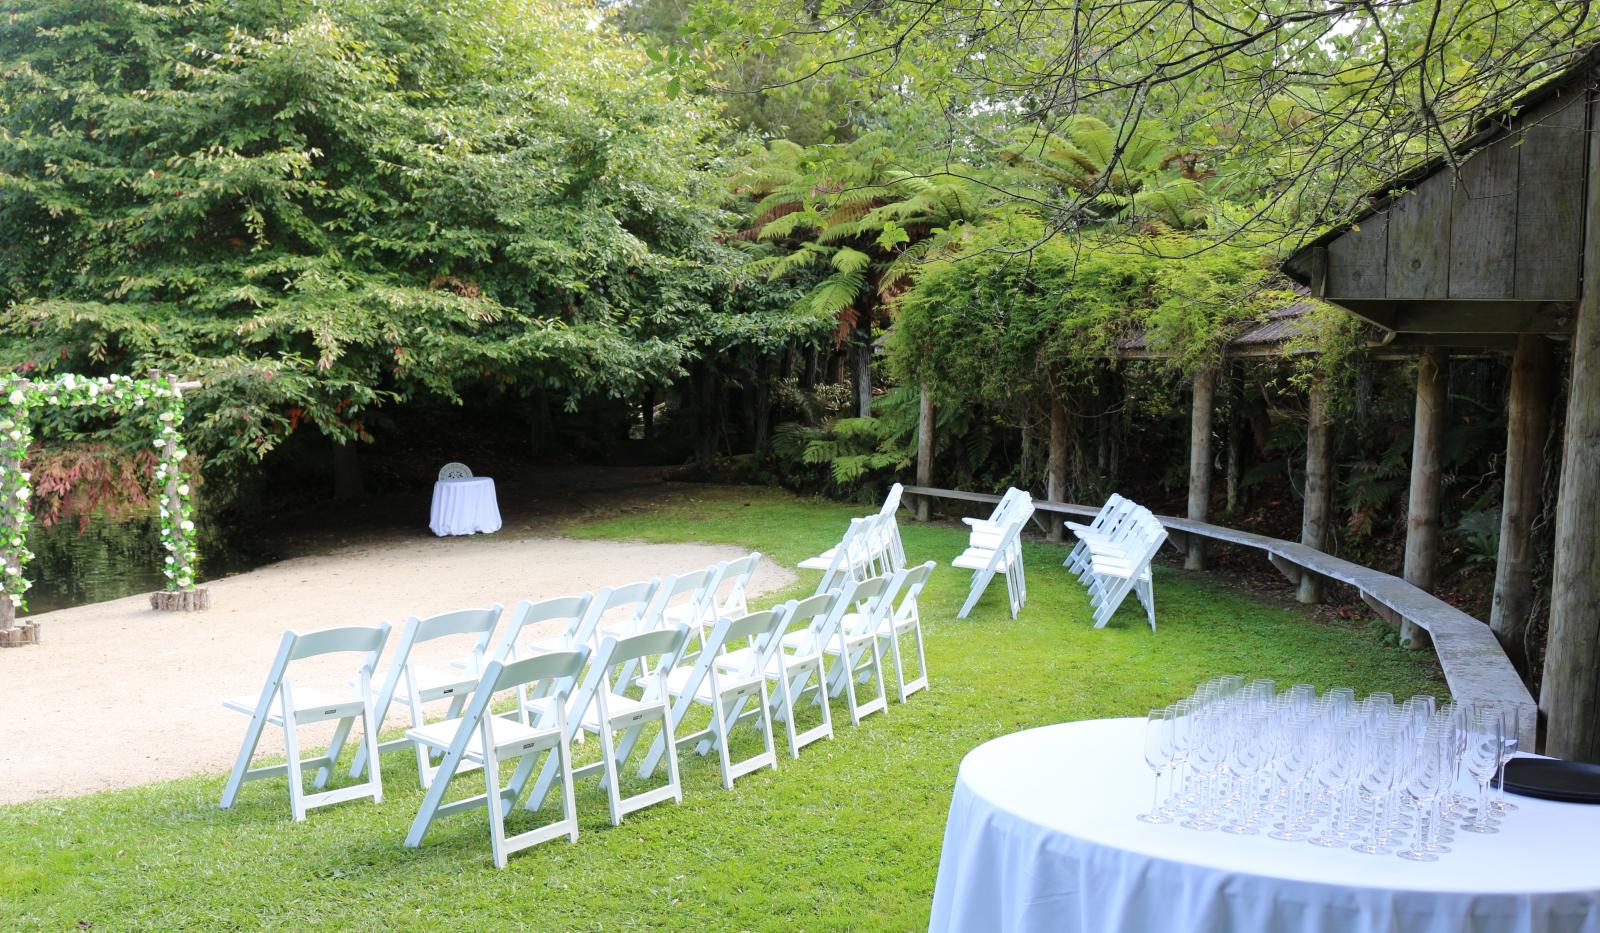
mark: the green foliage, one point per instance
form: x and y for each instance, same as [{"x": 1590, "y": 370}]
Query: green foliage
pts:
[{"x": 320, "y": 209}]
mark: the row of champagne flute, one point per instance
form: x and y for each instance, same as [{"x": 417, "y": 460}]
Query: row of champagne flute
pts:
[{"x": 1331, "y": 770}]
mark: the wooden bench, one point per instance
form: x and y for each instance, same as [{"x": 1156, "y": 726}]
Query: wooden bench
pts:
[{"x": 1475, "y": 666}]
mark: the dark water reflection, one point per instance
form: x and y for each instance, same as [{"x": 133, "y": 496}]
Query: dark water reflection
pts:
[{"x": 108, "y": 560}]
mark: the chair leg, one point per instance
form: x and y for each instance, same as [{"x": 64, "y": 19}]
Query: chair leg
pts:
[
  {"x": 369, "y": 729},
  {"x": 720, "y": 725},
  {"x": 241, "y": 764},
  {"x": 980, "y": 582},
  {"x": 297, "y": 792},
  {"x": 569, "y": 800},
  {"x": 341, "y": 733},
  {"x": 495, "y": 806},
  {"x": 673, "y": 778},
  {"x": 613, "y": 786}
]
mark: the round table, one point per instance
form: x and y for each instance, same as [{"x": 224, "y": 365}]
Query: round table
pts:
[
  {"x": 1042, "y": 836},
  {"x": 464, "y": 506}
]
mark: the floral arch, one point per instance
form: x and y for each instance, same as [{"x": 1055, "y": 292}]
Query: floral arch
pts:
[{"x": 157, "y": 397}]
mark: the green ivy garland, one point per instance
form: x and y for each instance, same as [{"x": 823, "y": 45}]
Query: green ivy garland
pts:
[{"x": 123, "y": 395}]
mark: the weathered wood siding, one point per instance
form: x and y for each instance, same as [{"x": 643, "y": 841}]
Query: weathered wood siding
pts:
[{"x": 1507, "y": 227}]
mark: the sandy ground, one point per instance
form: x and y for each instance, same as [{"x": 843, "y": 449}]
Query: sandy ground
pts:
[{"x": 120, "y": 695}]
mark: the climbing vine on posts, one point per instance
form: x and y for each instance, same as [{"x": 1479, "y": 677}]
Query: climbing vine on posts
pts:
[{"x": 157, "y": 396}]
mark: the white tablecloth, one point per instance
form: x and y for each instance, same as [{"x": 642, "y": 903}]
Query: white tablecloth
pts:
[
  {"x": 1042, "y": 836},
  {"x": 464, "y": 507}
]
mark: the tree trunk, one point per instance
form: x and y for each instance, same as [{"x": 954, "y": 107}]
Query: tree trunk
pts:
[
  {"x": 706, "y": 435},
  {"x": 763, "y": 406},
  {"x": 1527, "y": 424},
  {"x": 1234, "y": 466},
  {"x": 1203, "y": 406},
  {"x": 346, "y": 471},
  {"x": 1056, "y": 467},
  {"x": 1422, "y": 508},
  {"x": 647, "y": 413},
  {"x": 1569, "y": 698},
  {"x": 924, "y": 450},
  {"x": 1319, "y": 488},
  {"x": 863, "y": 374}
]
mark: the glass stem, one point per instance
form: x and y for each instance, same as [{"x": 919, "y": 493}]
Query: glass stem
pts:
[{"x": 1155, "y": 793}]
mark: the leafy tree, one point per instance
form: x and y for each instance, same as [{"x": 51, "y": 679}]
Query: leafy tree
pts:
[
  {"x": 862, "y": 215},
  {"x": 322, "y": 209}
]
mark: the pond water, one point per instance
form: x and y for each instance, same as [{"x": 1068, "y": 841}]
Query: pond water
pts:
[{"x": 112, "y": 559}]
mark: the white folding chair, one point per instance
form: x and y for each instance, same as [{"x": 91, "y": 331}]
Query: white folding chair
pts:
[
  {"x": 631, "y": 609},
  {"x": 698, "y": 606},
  {"x": 1002, "y": 511},
  {"x": 480, "y": 739},
  {"x": 905, "y": 619},
  {"x": 891, "y": 527},
  {"x": 853, "y": 558},
  {"x": 854, "y": 646},
  {"x": 280, "y": 704},
  {"x": 729, "y": 595},
  {"x": 727, "y": 690},
  {"x": 1118, "y": 570},
  {"x": 1110, "y": 513},
  {"x": 1004, "y": 558},
  {"x": 596, "y": 708},
  {"x": 414, "y": 684},
  {"x": 798, "y": 657}
]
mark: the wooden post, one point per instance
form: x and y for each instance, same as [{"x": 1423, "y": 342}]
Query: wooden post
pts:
[
  {"x": 1319, "y": 487},
  {"x": 1422, "y": 508},
  {"x": 1527, "y": 423},
  {"x": 1056, "y": 466},
  {"x": 1569, "y": 697},
  {"x": 1201, "y": 409},
  {"x": 924, "y": 449}
]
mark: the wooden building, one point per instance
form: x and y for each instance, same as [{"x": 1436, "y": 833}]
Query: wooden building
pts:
[{"x": 1497, "y": 245}]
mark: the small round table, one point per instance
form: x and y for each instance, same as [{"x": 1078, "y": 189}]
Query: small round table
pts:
[
  {"x": 1042, "y": 836},
  {"x": 464, "y": 506}
]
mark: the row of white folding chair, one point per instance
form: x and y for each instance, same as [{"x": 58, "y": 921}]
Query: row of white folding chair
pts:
[
  {"x": 998, "y": 552},
  {"x": 1110, "y": 516},
  {"x": 870, "y": 547},
  {"x": 1012, "y": 499},
  {"x": 1118, "y": 556}
]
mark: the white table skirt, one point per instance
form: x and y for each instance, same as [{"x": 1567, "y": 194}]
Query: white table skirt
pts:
[
  {"x": 464, "y": 507},
  {"x": 1042, "y": 836}
]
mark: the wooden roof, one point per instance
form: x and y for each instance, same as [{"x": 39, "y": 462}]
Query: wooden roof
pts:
[{"x": 1488, "y": 241}]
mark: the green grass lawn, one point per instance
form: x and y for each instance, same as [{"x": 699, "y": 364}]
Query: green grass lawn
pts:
[{"x": 845, "y": 838}]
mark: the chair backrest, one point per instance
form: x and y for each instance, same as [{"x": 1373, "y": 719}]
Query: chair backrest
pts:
[
  {"x": 453, "y": 470},
  {"x": 631, "y": 601},
  {"x": 735, "y": 579},
  {"x": 845, "y": 555},
  {"x": 368, "y": 638},
  {"x": 479, "y": 622},
  {"x": 294, "y": 646},
  {"x": 891, "y": 502},
  {"x": 665, "y": 644},
  {"x": 559, "y": 669},
  {"x": 869, "y": 595},
  {"x": 569, "y": 610},
  {"x": 700, "y": 586},
  {"x": 762, "y": 630},
  {"x": 912, "y": 581}
]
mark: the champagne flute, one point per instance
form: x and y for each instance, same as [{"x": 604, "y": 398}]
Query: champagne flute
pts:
[
  {"x": 1158, "y": 751},
  {"x": 1485, "y": 742},
  {"x": 1508, "y": 743}
]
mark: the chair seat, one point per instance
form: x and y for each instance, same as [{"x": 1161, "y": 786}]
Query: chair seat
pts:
[
  {"x": 978, "y": 558},
  {"x": 821, "y": 562},
  {"x": 622, "y": 711},
  {"x": 511, "y": 737},
  {"x": 799, "y": 644},
  {"x": 310, "y": 705},
  {"x": 855, "y": 624},
  {"x": 678, "y": 681},
  {"x": 434, "y": 683}
]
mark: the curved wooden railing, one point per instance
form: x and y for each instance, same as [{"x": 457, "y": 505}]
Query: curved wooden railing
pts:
[{"x": 1475, "y": 666}]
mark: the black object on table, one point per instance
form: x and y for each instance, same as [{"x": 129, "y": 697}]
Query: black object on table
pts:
[{"x": 1554, "y": 779}]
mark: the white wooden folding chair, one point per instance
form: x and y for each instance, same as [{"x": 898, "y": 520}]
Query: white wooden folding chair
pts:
[
  {"x": 281, "y": 705},
  {"x": 596, "y": 708},
  {"x": 480, "y": 739},
  {"x": 890, "y": 528},
  {"x": 905, "y": 619},
  {"x": 798, "y": 658},
  {"x": 628, "y": 610},
  {"x": 1104, "y": 520},
  {"x": 996, "y": 519},
  {"x": 413, "y": 684},
  {"x": 1118, "y": 569},
  {"x": 854, "y": 647},
  {"x": 692, "y": 600},
  {"x": 1004, "y": 558},
  {"x": 727, "y": 690},
  {"x": 728, "y": 596},
  {"x": 849, "y": 559}
]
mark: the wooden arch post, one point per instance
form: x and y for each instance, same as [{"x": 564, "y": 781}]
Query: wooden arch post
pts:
[
  {"x": 1527, "y": 423},
  {"x": 1202, "y": 408},
  {"x": 1319, "y": 487},
  {"x": 1422, "y": 508},
  {"x": 924, "y": 449}
]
